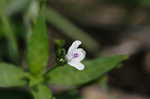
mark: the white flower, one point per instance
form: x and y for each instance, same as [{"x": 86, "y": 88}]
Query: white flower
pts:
[{"x": 75, "y": 55}]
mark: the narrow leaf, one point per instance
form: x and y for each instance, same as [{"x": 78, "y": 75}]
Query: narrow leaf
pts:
[
  {"x": 10, "y": 36},
  {"x": 67, "y": 75},
  {"x": 11, "y": 76},
  {"x": 69, "y": 29},
  {"x": 37, "y": 55}
]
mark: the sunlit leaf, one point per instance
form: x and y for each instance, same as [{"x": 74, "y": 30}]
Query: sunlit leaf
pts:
[{"x": 11, "y": 76}]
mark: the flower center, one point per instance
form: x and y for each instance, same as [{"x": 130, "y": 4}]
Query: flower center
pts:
[{"x": 75, "y": 55}]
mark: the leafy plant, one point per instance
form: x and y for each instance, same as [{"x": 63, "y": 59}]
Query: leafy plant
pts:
[{"x": 38, "y": 77}]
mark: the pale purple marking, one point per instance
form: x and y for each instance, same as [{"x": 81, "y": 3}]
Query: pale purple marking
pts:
[{"x": 75, "y": 55}]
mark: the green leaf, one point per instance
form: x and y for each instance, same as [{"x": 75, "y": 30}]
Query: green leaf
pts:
[
  {"x": 69, "y": 76},
  {"x": 41, "y": 92},
  {"x": 37, "y": 55},
  {"x": 11, "y": 76}
]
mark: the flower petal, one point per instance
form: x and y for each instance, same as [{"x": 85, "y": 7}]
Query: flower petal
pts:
[
  {"x": 74, "y": 45},
  {"x": 81, "y": 53},
  {"x": 77, "y": 65}
]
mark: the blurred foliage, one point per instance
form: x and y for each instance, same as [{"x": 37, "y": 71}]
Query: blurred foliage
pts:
[
  {"x": 70, "y": 94},
  {"x": 9, "y": 7},
  {"x": 145, "y": 3},
  {"x": 14, "y": 94},
  {"x": 9, "y": 34},
  {"x": 11, "y": 76},
  {"x": 124, "y": 2},
  {"x": 70, "y": 29}
]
